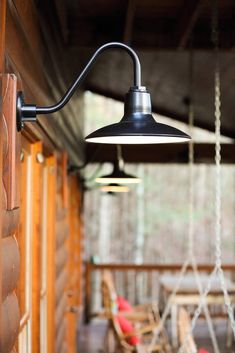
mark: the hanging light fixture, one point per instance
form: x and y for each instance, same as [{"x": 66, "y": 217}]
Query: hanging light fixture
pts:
[
  {"x": 137, "y": 125},
  {"x": 114, "y": 188},
  {"x": 118, "y": 174}
]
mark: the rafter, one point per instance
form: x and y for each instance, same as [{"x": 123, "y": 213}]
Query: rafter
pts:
[
  {"x": 130, "y": 14},
  {"x": 189, "y": 16}
]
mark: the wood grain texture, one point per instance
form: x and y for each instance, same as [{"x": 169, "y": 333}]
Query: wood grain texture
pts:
[
  {"x": 61, "y": 333},
  {"x": 61, "y": 259},
  {"x": 74, "y": 262},
  {"x": 10, "y": 323},
  {"x": 2, "y": 208},
  {"x": 51, "y": 209},
  {"x": 10, "y": 221},
  {"x": 62, "y": 275},
  {"x": 27, "y": 55},
  {"x": 62, "y": 231},
  {"x": 12, "y": 158},
  {"x": 61, "y": 310},
  {"x": 64, "y": 166},
  {"x": 2, "y": 33},
  {"x": 10, "y": 265},
  {"x": 60, "y": 285},
  {"x": 36, "y": 215},
  {"x": 9, "y": 180}
]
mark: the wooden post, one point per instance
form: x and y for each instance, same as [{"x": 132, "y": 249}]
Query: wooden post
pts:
[
  {"x": 51, "y": 170},
  {"x": 87, "y": 292},
  {"x": 2, "y": 56},
  {"x": 36, "y": 150}
]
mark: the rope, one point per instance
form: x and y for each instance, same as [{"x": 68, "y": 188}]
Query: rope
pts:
[
  {"x": 190, "y": 260},
  {"x": 218, "y": 259},
  {"x": 218, "y": 271},
  {"x": 202, "y": 296}
]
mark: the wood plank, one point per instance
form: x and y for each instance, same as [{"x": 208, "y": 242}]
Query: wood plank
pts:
[
  {"x": 51, "y": 182},
  {"x": 61, "y": 310},
  {"x": 64, "y": 166},
  {"x": 10, "y": 265},
  {"x": 9, "y": 200},
  {"x": 10, "y": 323},
  {"x": 2, "y": 34},
  {"x": 10, "y": 221},
  {"x": 60, "y": 336},
  {"x": 2, "y": 56},
  {"x": 189, "y": 15},
  {"x": 12, "y": 160},
  {"x": 130, "y": 13},
  {"x": 62, "y": 12},
  {"x": 153, "y": 267},
  {"x": 62, "y": 232},
  {"x": 74, "y": 265},
  {"x": 60, "y": 285},
  {"x": 25, "y": 60},
  {"x": 61, "y": 259},
  {"x": 24, "y": 12},
  {"x": 36, "y": 215},
  {"x": 23, "y": 231}
]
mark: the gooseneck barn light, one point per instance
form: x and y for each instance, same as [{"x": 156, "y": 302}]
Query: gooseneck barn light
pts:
[
  {"x": 137, "y": 125},
  {"x": 114, "y": 188},
  {"x": 118, "y": 175}
]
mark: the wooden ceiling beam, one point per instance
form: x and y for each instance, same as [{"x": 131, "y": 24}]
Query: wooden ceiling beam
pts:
[
  {"x": 130, "y": 14},
  {"x": 62, "y": 14},
  {"x": 165, "y": 153},
  {"x": 189, "y": 16}
]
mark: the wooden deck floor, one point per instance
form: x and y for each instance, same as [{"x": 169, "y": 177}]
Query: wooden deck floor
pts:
[{"x": 91, "y": 337}]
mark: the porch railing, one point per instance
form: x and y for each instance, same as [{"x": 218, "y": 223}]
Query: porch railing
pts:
[{"x": 137, "y": 283}]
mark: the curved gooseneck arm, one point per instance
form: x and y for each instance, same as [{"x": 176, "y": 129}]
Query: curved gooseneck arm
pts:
[{"x": 73, "y": 87}]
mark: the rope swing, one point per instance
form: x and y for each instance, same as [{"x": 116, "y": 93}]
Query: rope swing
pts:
[
  {"x": 217, "y": 271},
  {"x": 190, "y": 260}
]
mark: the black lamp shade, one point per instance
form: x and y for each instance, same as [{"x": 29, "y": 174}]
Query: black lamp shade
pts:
[
  {"x": 137, "y": 125},
  {"x": 119, "y": 176},
  {"x": 115, "y": 188}
]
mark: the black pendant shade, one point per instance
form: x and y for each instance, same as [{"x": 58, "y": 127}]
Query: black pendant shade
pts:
[
  {"x": 114, "y": 188},
  {"x": 118, "y": 175},
  {"x": 137, "y": 125}
]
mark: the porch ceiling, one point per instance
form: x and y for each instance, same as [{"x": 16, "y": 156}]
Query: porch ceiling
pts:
[{"x": 160, "y": 32}]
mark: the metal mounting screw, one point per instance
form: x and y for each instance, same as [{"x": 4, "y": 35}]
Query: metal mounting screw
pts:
[
  {"x": 21, "y": 156},
  {"x": 40, "y": 158}
]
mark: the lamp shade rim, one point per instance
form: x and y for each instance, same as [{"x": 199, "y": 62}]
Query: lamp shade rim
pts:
[
  {"x": 118, "y": 176},
  {"x": 149, "y": 132},
  {"x": 115, "y": 188}
]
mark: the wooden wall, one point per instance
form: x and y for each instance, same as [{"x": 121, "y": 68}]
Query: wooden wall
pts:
[
  {"x": 41, "y": 294},
  {"x": 40, "y": 232},
  {"x": 10, "y": 216}
]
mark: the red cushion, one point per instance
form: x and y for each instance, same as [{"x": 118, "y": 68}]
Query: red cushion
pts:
[
  {"x": 123, "y": 304},
  {"x": 127, "y": 327},
  {"x": 202, "y": 350}
]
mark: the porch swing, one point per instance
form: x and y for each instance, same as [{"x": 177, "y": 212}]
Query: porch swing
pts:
[{"x": 186, "y": 326}]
